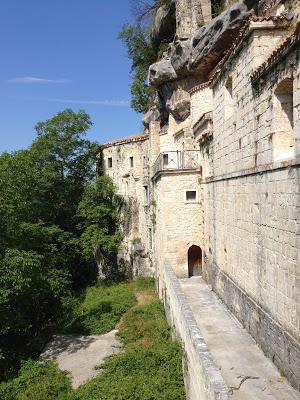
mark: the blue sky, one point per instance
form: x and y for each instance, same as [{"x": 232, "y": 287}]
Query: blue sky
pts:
[{"x": 63, "y": 53}]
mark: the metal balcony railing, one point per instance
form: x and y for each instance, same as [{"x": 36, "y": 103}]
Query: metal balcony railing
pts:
[{"x": 176, "y": 160}]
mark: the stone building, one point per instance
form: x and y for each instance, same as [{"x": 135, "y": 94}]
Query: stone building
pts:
[{"x": 214, "y": 179}]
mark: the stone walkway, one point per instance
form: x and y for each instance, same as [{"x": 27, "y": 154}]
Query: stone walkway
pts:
[
  {"x": 238, "y": 357},
  {"x": 79, "y": 355}
]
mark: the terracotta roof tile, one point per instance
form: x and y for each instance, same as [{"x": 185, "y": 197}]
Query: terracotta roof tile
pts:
[
  {"x": 271, "y": 5},
  {"x": 199, "y": 87},
  {"x": 277, "y": 54},
  {"x": 128, "y": 139},
  {"x": 240, "y": 35}
]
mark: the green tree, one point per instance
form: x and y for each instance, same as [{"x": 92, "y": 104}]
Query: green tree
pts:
[
  {"x": 143, "y": 51},
  {"x": 142, "y": 55},
  {"x": 66, "y": 160},
  {"x": 101, "y": 209},
  {"x": 43, "y": 235}
]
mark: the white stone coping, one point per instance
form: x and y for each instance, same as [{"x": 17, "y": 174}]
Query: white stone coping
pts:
[
  {"x": 179, "y": 133},
  {"x": 213, "y": 385},
  {"x": 263, "y": 169},
  {"x": 242, "y": 36},
  {"x": 205, "y": 118}
]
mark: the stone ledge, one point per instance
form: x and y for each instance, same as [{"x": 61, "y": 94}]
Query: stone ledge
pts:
[
  {"x": 176, "y": 172},
  {"x": 209, "y": 383},
  {"x": 254, "y": 171}
]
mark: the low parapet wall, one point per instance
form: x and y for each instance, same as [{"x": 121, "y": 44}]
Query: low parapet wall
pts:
[{"x": 203, "y": 380}]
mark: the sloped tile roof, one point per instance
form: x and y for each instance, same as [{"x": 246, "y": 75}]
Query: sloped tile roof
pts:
[
  {"x": 282, "y": 50},
  {"x": 128, "y": 139},
  {"x": 240, "y": 36}
]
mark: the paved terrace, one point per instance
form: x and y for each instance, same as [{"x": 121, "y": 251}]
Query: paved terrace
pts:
[{"x": 244, "y": 367}]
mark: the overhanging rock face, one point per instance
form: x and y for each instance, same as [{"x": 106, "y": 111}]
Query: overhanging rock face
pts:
[
  {"x": 164, "y": 26},
  {"x": 206, "y": 47},
  {"x": 151, "y": 116},
  {"x": 211, "y": 42},
  {"x": 161, "y": 72}
]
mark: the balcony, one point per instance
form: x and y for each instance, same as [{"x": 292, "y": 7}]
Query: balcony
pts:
[{"x": 177, "y": 160}]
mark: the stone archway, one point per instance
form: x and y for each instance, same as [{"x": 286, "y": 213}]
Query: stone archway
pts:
[{"x": 195, "y": 261}]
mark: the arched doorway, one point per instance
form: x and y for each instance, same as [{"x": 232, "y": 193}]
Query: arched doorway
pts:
[{"x": 195, "y": 261}]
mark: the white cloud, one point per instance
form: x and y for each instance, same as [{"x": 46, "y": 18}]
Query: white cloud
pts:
[
  {"x": 34, "y": 80},
  {"x": 113, "y": 103},
  {"x": 109, "y": 103}
]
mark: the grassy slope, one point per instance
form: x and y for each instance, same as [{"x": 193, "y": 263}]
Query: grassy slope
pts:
[
  {"x": 149, "y": 368},
  {"x": 99, "y": 310}
]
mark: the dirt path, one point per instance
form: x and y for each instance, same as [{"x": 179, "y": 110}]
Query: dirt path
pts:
[{"x": 79, "y": 355}]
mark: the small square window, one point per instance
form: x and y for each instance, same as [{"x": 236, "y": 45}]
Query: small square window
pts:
[
  {"x": 109, "y": 162},
  {"x": 131, "y": 162},
  {"x": 191, "y": 196}
]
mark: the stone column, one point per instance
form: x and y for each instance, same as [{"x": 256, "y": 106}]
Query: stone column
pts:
[
  {"x": 154, "y": 142},
  {"x": 228, "y": 3},
  {"x": 191, "y": 15},
  {"x": 201, "y": 13},
  {"x": 183, "y": 18}
]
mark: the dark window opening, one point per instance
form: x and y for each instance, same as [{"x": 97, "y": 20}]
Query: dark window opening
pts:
[
  {"x": 165, "y": 160},
  {"x": 150, "y": 239},
  {"x": 191, "y": 195},
  {"x": 109, "y": 162},
  {"x": 228, "y": 99},
  {"x": 131, "y": 162},
  {"x": 146, "y": 195}
]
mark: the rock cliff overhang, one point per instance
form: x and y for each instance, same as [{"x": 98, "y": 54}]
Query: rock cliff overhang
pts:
[{"x": 202, "y": 52}]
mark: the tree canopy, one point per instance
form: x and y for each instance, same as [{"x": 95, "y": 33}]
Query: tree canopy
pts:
[
  {"x": 53, "y": 214},
  {"x": 142, "y": 52}
]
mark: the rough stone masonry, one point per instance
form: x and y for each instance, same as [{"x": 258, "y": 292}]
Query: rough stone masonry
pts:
[{"x": 213, "y": 181}]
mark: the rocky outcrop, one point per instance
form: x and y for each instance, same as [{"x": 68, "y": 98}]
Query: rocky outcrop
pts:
[
  {"x": 161, "y": 72},
  {"x": 179, "y": 105},
  {"x": 180, "y": 52},
  {"x": 151, "y": 116},
  {"x": 207, "y": 46},
  {"x": 164, "y": 26},
  {"x": 210, "y": 43},
  {"x": 180, "y": 109}
]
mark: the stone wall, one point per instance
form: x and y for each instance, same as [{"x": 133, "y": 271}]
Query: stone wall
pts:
[
  {"x": 246, "y": 121},
  {"x": 202, "y": 378},
  {"x": 201, "y": 102},
  {"x": 178, "y": 223},
  {"x": 130, "y": 172},
  {"x": 234, "y": 106},
  {"x": 252, "y": 247}
]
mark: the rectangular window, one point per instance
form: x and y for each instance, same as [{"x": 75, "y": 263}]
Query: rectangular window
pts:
[
  {"x": 165, "y": 160},
  {"x": 191, "y": 196},
  {"x": 283, "y": 121},
  {"x": 146, "y": 195},
  {"x": 131, "y": 162},
  {"x": 150, "y": 239},
  {"x": 228, "y": 99},
  {"x": 109, "y": 162}
]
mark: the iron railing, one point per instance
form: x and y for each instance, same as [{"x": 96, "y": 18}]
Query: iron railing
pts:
[{"x": 175, "y": 160}]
